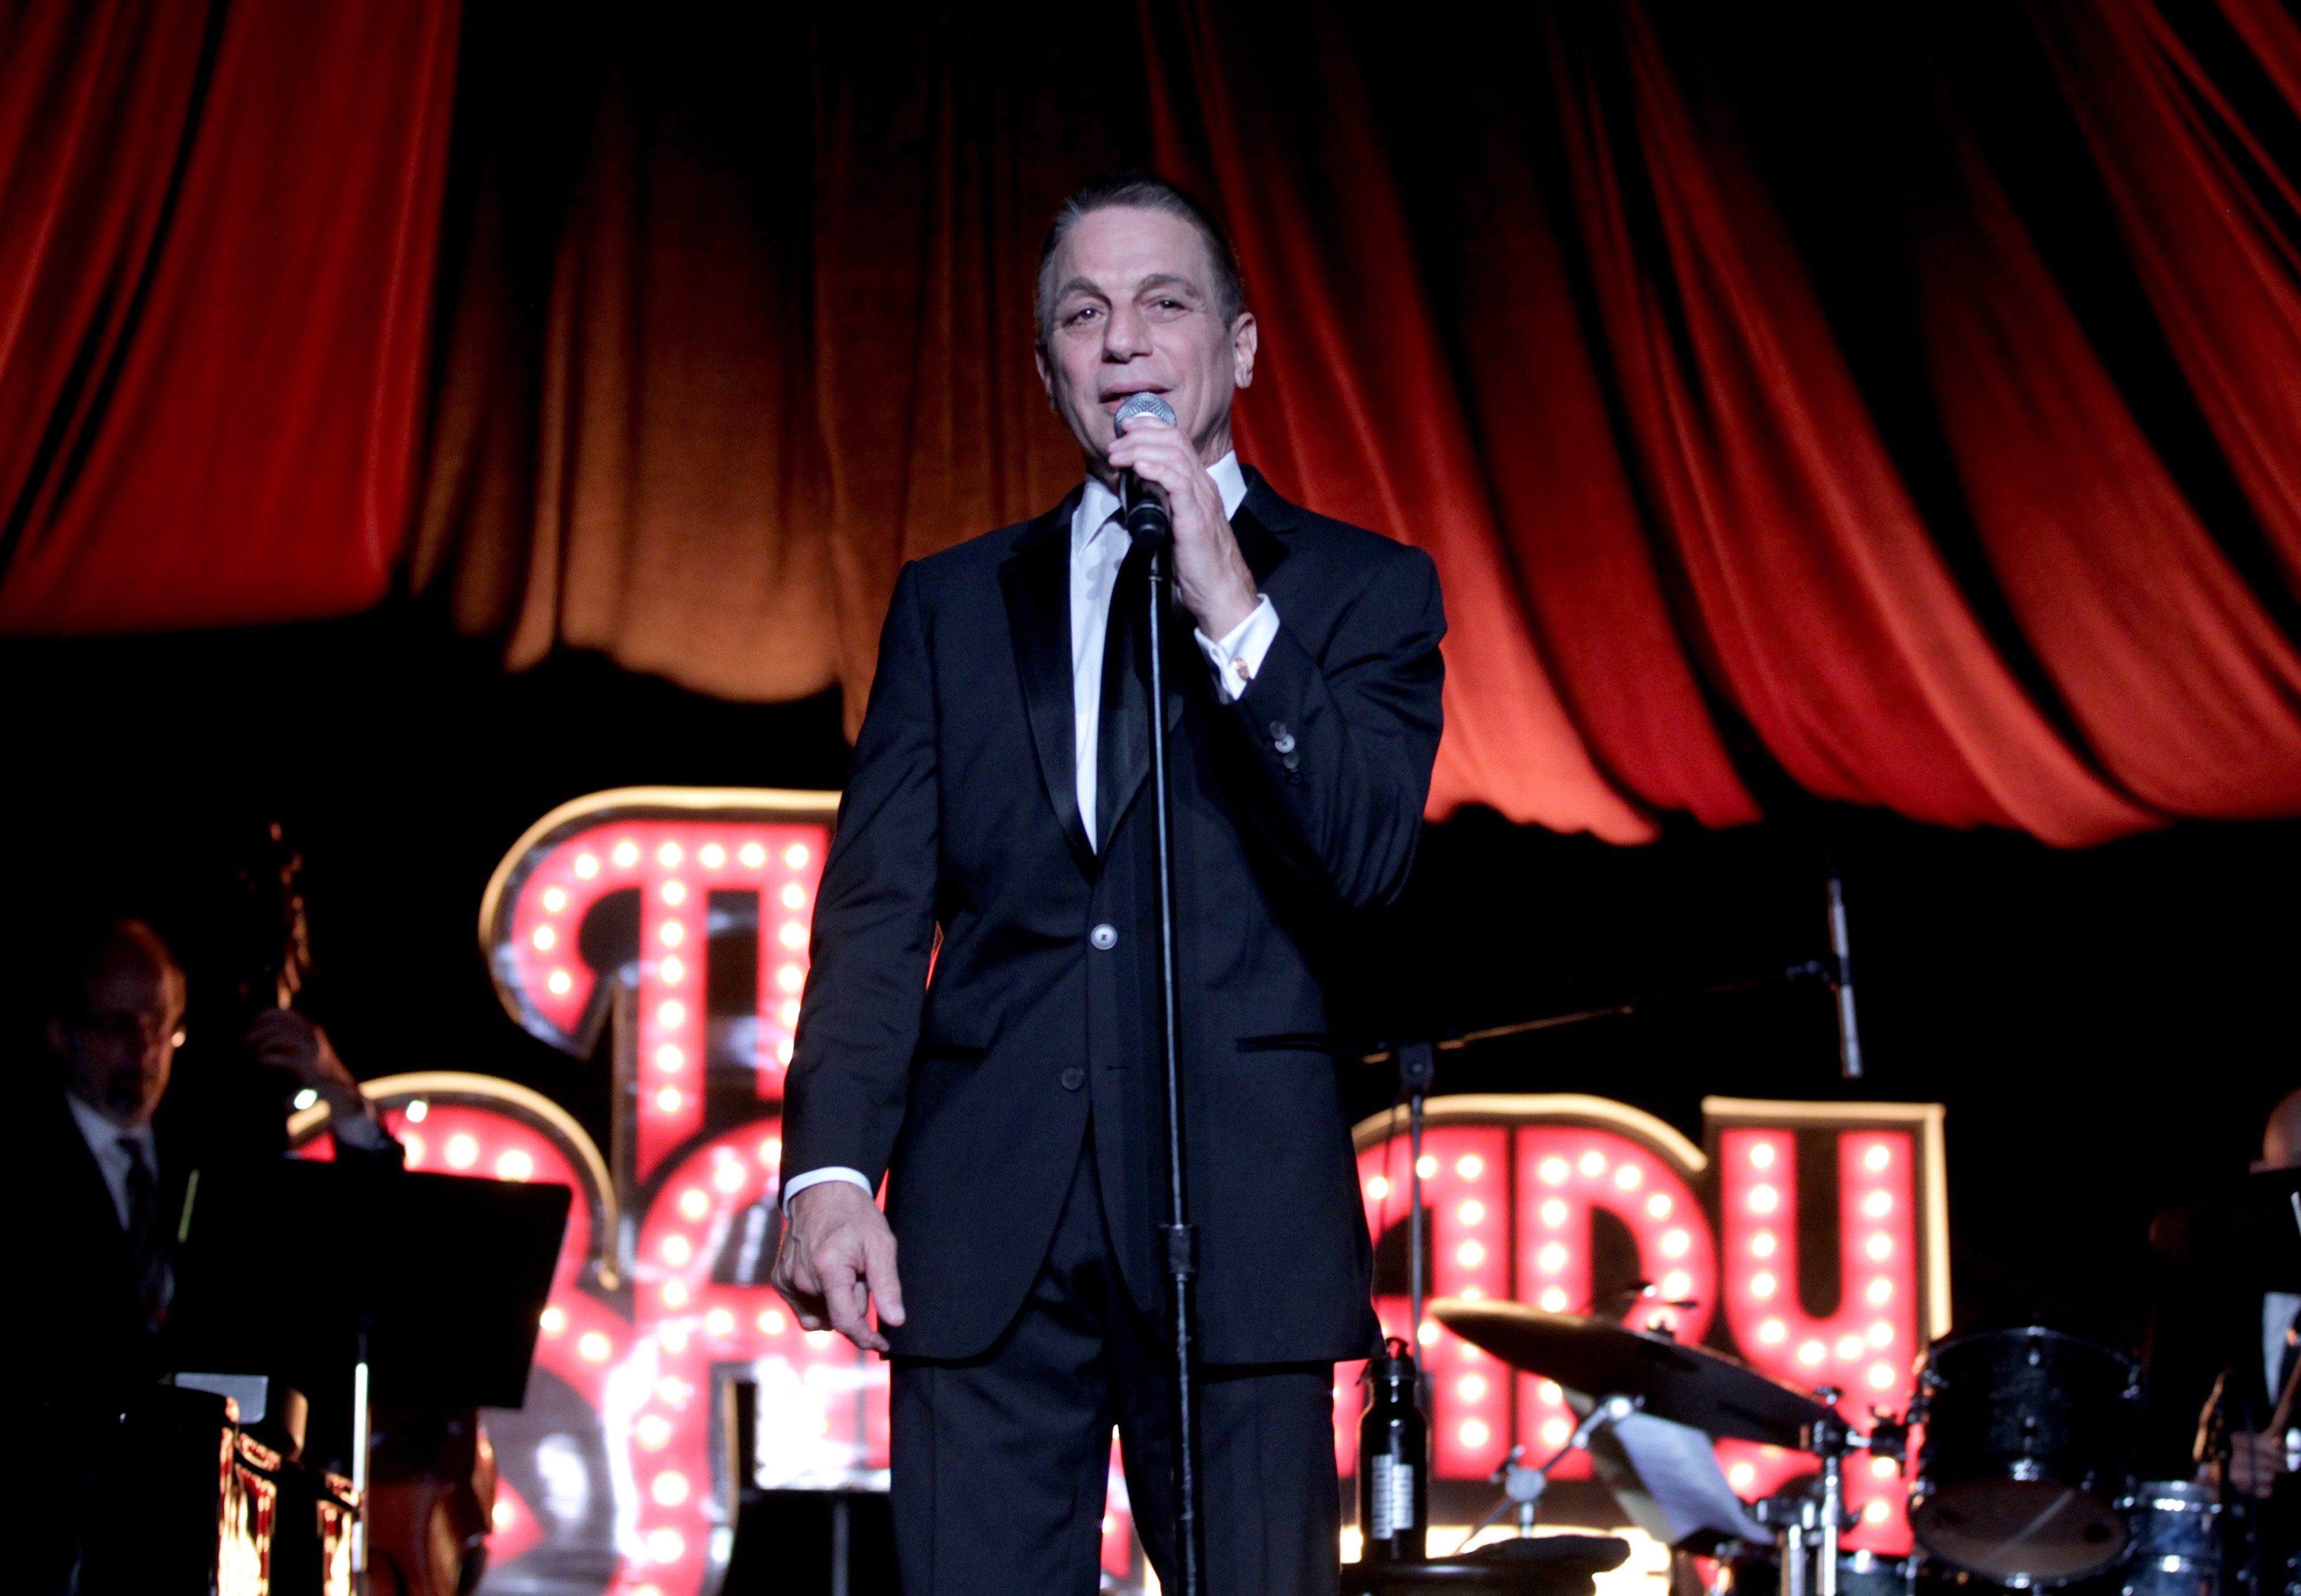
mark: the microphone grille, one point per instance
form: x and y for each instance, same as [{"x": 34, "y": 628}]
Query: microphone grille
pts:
[{"x": 1135, "y": 407}]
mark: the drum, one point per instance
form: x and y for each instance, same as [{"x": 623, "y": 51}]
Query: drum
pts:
[
  {"x": 1758, "y": 1573},
  {"x": 2029, "y": 1437},
  {"x": 2176, "y": 1541}
]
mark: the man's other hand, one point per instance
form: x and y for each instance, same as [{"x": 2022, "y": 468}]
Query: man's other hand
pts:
[
  {"x": 837, "y": 1255},
  {"x": 283, "y": 1040},
  {"x": 2255, "y": 1463}
]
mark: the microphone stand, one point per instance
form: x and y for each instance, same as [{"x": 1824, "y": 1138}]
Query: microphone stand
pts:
[{"x": 1179, "y": 1236}]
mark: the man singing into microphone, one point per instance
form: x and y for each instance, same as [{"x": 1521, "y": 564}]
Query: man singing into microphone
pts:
[{"x": 997, "y": 831}]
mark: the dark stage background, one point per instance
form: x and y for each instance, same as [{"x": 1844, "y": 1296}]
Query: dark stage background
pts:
[{"x": 2107, "y": 1027}]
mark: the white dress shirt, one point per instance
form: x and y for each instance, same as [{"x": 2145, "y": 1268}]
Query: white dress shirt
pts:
[
  {"x": 1099, "y": 545},
  {"x": 2278, "y": 1309},
  {"x": 103, "y": 1137}
]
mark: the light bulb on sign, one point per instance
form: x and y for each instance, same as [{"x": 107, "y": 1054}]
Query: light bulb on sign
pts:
[
  {"x": 305, "y": 1099},
  {"x": 794, "y": 897},
  {"x": 1471, "y": 1213},
  {"x": 676, "y": 1250},
  {"x": 587, "y": 865},
  {"x": 1658, "y": 1205},
  {"x": 1674, "y": 1243},
  {"x": 1629, "y": 1177},
  {"x": 671, "y": 1014},
  {"x": 1469, "y": 1166},
  {"x": 673, "y": 934},
  {"x": 1470, "y": 1255},
  {"x": 626, "y": 854},
  {"x": 1474, "y": 1433},
  {"x": 1762, "y": 1244},
  {"x": 712, "y": 855},
  {"x": 555, "y": 898},
  {"x": 1878, "y": 1204},
  {"x": 545, "y": 939},
  {"x": 1551, "y": 1259},
  {"x": 1553, "y": 1300},
  {"x": 793, "y": 933},
  {"x": 752, "y": 856},
  {"x": 561, "y": 983},
  {"x": 1763, "y": 1285},
  {"x": 719, "y": 1323},
  {"x": 1426, "y": 1166},
  {"x": 675, "y": 893},
  {"x": 668, "y": 1058},
  {"x": 1876, "y": 1157},
  {"x": 515, "y": 1166},
  {"x": 668, "y": 855},
  {"x": 1553, "y": 1171},
  {"x": 593, "y": 1347},
  {"x": 790, "y": 978},
  {"x": 1377, "y": 1188},
  {"x": 796, "y": 855},
  {"x": 672, "y": 971},
  {"x": 668, "y": 1099},
  {"x": 1676, "y": 1283},
  {"x": 1593, "y": 1164},
  {"x": 1773, "y": 1333}
]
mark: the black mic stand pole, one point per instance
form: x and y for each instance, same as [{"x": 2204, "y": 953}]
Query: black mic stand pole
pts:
[{"x": 1179, "y": 1235}]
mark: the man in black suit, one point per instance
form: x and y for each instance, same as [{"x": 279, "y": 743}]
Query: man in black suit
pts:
[
  {"x": 997, "y": 831},
  {"x": 97, "y": 1179}
]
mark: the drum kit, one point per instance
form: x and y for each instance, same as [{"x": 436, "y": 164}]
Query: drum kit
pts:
[{"x": 2023, "y": 1481}]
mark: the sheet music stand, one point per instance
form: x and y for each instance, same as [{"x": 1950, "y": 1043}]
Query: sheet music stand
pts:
[{"x": 416, "y": 1291}]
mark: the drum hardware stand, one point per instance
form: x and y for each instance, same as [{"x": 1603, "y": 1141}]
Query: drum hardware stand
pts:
[
  {"x": 1830, "y": 1440},
  {"x": 1522, "y": 1488}
]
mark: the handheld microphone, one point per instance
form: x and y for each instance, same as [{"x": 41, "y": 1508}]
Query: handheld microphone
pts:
[{"x": 1143, "y": 505}]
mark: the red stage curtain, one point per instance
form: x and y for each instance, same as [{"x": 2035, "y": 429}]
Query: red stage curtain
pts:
[
  {"x": 1834, "y": 623},
  {"x": 218, "y": 230},
  {"x": 2181, "y": 685},
  {"x": 2213, "y": 222},
  {"x": 1357, "y": 413},
  {"x": 738, "y": 319}
]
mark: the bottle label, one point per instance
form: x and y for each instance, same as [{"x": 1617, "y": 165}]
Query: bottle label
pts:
[{"x": 1394, "y": 1498}]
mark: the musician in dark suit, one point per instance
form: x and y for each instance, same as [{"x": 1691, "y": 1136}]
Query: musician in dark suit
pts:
[
  {"x": 998, "y": 828},
  {"x": 98, "y": 1176}
]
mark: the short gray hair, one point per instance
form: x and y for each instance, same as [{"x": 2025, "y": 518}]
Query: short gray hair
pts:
[{"x": 1142, "y": 192}]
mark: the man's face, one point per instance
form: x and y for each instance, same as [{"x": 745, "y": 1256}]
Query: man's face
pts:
[
  {"x": 1133, "y": 312},
  {"x": 118, "y": 1052}
]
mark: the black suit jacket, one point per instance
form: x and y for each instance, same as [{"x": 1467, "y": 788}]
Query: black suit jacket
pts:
[{"x": 1292, "y": 809}]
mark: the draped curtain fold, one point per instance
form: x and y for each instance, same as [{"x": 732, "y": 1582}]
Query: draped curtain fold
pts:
[
  {"x": 217, "y": 231},
  {"x": 735, "y": 317}
]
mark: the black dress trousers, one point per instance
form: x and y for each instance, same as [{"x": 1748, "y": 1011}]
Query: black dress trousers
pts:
[{"x": 1000, "y": 1461}]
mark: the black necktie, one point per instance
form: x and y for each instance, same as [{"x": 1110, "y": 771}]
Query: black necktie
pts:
[
  {"x": 146, "y": 1250},
  {"x": 1126, "y": 685}
]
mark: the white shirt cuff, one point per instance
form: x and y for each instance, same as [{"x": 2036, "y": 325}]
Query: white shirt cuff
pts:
[
  {"x": 361, "y": 1132},
  {"x": 815, "y": 1177},
  {"x": 1237, "y": 655}
]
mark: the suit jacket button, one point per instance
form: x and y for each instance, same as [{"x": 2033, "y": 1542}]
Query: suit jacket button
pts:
[
  {"x": 1284, "y": 742},
  {"x": 1278, "y": 730},
  {"x": 1105, "y": 937},
  {"x": 1292, "y": 761},
  {"x": 1073, "y": 1078}
]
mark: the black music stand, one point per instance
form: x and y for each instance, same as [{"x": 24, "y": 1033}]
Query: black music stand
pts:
[{"x": 362, "y": 1283}]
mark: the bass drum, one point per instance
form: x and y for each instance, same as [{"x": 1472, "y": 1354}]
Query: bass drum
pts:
[
  {"x": 2177, "y": 1549},
  {"x": 2029, "y": 1437}
]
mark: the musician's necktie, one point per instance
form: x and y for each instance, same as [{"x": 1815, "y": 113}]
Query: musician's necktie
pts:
[{"x": 146, "y": 1245}]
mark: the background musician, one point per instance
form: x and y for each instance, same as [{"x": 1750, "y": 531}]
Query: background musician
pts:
[
  {"x": 2223, "y": 1342},
  {"x": 100, "y": 1180}
]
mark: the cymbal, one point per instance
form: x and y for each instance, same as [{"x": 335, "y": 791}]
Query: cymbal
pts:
[{"x": 1720, "y": 1396}]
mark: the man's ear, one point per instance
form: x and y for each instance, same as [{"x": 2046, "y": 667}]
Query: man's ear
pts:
[
  {"x": 1245, "y": 341},
  {"x": 1046, "y": 377}
]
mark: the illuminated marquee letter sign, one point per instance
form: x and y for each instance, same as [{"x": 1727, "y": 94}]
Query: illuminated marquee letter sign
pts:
[
  {"x": 673, "y": 923},
  {"x": 688, "y": 907},
  {"x": 1810, "y": 1239}
]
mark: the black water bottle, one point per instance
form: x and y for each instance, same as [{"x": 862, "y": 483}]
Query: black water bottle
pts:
[{"x": 1393, "y": 1459}]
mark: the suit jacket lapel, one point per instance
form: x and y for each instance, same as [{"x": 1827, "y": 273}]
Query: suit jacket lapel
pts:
[
  {"x": 1037, "y": 581},
  {"x": 1258, "y": 513}
]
